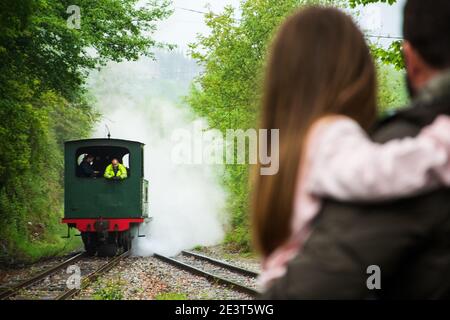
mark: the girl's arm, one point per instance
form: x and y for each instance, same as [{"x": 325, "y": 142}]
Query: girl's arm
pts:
[{"x": 345, "y": 164}]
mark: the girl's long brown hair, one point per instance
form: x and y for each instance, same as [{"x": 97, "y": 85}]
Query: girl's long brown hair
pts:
[{"x": 319, "y": 65}]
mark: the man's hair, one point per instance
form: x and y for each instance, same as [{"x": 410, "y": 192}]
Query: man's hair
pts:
[{"x": 427, "y": 27}]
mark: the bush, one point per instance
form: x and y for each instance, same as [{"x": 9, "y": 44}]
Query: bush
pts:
[{"x": 109, "y": 290}]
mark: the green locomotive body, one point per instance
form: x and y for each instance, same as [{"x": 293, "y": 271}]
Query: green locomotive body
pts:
[{"x": 105, "y": 210}]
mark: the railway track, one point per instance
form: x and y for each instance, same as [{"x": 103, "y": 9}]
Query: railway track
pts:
[
  {"x": 11, "y": 291},
  {"x": 220, "y": 263},
  {"x": 51, "y": 284},
  {"x": 216, "y": 271}
]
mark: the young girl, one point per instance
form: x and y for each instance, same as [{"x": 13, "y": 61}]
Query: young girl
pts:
[{"x": 320, "y": 93}]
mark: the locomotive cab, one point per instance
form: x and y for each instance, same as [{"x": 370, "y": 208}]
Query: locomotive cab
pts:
[{"x": 105, "y": 211}]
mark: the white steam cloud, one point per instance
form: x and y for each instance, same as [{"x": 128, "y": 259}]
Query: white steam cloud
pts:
[{"x": 185, "y": 201}]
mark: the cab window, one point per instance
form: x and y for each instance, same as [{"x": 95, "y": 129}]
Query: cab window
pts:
[{"x": 91, "y": 162}]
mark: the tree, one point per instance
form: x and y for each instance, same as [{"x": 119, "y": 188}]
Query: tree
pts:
[{"x": 44, "y": 45}]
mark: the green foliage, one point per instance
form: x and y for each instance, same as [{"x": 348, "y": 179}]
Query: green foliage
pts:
[
  {"x": 109, "y": 290},
  {"x": 43, "y": 103},
  {"x": 392, "y": 91},
  {"x": 354, "y": 3},
  {"x": 171, "y": 296},
  {"x": 392, "y": 55},
  {"x": 60, "y": 56}
]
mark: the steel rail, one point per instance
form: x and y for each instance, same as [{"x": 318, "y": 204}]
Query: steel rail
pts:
[
  {"x": 29, "y": 282},
  {"x": 92, "y": 277},
  {"x": 222, "y": 264},
  {"x": 209, "y": 276}
]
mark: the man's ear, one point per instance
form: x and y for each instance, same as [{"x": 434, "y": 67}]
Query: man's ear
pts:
[
  {"x": 411, "y": 63},
  {"x": 407, "y": 52},
  {"x": 419, "y": 72}
]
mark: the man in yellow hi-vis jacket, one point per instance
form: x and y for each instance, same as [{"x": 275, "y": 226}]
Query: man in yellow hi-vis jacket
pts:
[{"x": 115, "y": 170}]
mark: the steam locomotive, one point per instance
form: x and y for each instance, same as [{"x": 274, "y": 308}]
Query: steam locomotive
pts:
[{"x": 107, "y": 212}]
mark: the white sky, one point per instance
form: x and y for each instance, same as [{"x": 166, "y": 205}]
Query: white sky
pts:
[{"x": 183, "y": 26}]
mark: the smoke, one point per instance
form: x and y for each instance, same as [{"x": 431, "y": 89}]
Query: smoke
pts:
[{"x": 186, "y": 202}]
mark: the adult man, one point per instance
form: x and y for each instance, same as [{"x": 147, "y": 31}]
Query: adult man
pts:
[
  {"x": 115, "y": 171},
  {"x": 86, "y": 168},
  {"x": 392, "y": 250}
]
